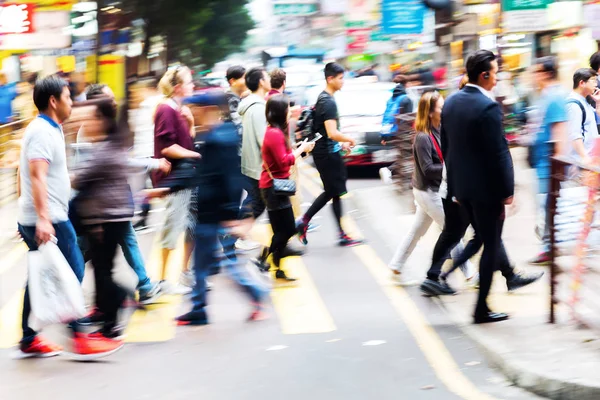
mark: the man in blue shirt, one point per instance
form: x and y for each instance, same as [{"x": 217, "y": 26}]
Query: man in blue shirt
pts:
[{"x": 553, "y": 125}]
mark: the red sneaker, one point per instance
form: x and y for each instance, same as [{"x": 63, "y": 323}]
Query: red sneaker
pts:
[
  {"x": 541, "y": 259},
  {"x": 88, "y": 347},
  {"x": 38, "y": 348}
]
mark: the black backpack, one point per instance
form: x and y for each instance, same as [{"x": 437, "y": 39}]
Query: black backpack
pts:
[{"x": 306, "y": 123}]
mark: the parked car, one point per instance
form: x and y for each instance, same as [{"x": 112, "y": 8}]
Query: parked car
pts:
[{"x": 361, "y": 104}]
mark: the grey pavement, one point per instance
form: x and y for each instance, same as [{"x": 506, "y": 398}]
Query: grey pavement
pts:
[
  {"x": 371, "y": 354},
  {"x": 556, "y": 361}
]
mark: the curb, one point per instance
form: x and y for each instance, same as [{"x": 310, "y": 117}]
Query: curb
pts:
[
  {"x": 520, "y": 375},
  {"x": 526, "y": 378}
]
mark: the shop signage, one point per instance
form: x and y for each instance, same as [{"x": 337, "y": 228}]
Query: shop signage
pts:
[
  {"x": 565, "y": 14},
  {"x": 358, "y": 40},
  {"x": 49, "y": 5},
  {"x": 49, "y": 33},
  {"x": 295, "y": 9},
  {"x": 16, "y": 18},
  {"x": 402, "y": 17},
  {"x": 591, "y": 13},
  {"x": 525, "y": 21},
  {"x": 517, "y": 5}
]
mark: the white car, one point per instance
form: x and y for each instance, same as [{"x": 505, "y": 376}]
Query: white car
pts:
[{"x": 361, "y": 104}]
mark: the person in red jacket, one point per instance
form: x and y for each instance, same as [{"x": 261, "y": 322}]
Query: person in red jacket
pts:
[{"x": 278, "y": 157}]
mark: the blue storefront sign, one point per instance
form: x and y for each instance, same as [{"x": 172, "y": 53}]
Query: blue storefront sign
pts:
[{"x": 402, "y": 17}]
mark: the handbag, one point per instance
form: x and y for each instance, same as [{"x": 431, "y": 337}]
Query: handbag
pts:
[{"x": 282, "y": 187}]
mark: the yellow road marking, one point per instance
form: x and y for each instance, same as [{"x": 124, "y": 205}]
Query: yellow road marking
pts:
[
  {"x": 299, "y": 306},
  {"x": 10, "y": 320},
  {"x": 156, "y": 323},
  {"x": 431, "y": 345}
]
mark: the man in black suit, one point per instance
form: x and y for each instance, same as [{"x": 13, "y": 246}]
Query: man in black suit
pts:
[{"x": 479, "y": 165}]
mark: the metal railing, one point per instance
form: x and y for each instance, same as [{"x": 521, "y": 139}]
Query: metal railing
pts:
[
  {"x": 574, "y": 241},
  {"x": 10, "y": 150}
]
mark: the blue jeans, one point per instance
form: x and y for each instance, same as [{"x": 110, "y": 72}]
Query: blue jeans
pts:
[
  {"x": 133, "y": 255},
  {"x": 67, "y": 243},
  {"x": 206, "y": 258},
  {"x": 253, "y": 205}
]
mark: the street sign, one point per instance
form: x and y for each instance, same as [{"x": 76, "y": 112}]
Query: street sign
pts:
[
  {"x": 402, "y": 17},
  {"x": 294, "y": 9},
  {"x": 358, "y": 40},
  {"x": 518, "y": 5}
]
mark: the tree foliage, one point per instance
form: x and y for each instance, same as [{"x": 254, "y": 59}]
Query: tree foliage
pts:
[{"x": 199, "y": 32}]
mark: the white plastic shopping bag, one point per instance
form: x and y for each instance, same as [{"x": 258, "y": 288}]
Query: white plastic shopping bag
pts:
[{"x": 55, "y": 293}]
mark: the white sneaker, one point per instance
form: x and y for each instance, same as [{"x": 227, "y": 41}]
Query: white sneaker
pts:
[
  {"x": 402, "y": 280},
  {"x": 386, "y": 175},
  {"x": 246, "y": 245},
  {"x": 169, "y": 288},
  {"x": 187, "y": 279}
]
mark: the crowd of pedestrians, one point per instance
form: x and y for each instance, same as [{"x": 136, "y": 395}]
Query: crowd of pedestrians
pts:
[{"x": 216, "y": 183}]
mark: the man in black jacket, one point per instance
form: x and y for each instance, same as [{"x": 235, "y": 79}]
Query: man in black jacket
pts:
[{"x": 479, "y": 164}]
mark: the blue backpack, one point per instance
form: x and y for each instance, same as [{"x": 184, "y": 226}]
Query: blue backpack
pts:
[{"x": 392, "y": 108}]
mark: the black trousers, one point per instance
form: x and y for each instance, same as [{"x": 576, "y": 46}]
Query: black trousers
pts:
[
  {"x": 104, "y": 240},
  {"x": 456, "y": 222},
  {"x": 284, "y": 227},
  {"x": 488, "y": 222}
]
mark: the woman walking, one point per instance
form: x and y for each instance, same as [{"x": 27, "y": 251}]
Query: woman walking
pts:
[
  {"x": 173, "y": 131},
  {"x": 426, "y": 181},
  {"x": 105, "y": 209},
  {"x": 278, "y": 157}
]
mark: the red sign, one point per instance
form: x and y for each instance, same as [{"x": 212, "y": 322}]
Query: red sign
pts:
[
  {"x": 358, "y": 40},
  {"x": 16, "y": 18}
]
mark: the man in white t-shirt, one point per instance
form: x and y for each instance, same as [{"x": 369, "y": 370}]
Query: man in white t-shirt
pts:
[
  {"x": 44, "y": 207},
  {"x": 582, "y": 130}
]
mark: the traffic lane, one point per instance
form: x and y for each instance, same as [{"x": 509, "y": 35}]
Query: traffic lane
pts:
[
  {"x": 232, "y": 359},
  {"x": 463, "y": 350}
]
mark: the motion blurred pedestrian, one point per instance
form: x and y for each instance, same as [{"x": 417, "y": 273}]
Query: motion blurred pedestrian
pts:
[{"x": 173, "y": 131}]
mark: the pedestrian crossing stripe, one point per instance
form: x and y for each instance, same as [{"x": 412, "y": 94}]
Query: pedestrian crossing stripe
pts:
[
  {"x": 299, "y": 306},
  {"x": 157, "y": 322},
  {"x": 14, "y": 255}
]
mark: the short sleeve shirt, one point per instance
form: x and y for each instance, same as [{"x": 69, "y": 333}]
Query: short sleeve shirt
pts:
[
  {"x": 170, "y": 128},
  {"x": 590, "y": 130},
  {"x": 44, "y": 141},
  {"x": 552, "y": 110},
  {"x": 325, "y": 110}
]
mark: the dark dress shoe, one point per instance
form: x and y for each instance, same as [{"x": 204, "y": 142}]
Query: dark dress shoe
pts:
[
  {"x": 279, "y": 274},
  {"x": 434, "y": 288},
  {"x": 520, "y": 280},
  {"x": 490, "y": 317}
]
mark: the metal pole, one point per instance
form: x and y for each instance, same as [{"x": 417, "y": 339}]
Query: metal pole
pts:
[{"x": 555, "y": 177}]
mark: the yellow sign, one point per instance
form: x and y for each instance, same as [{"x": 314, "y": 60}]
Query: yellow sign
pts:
[
  {"x": 66, "y": 63},
  {"x": 111, "y": 71},
  {"x": 49, "y": 5}
]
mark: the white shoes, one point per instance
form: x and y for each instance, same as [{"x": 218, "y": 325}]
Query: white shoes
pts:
[
  {"x": 246, "y": 245},
  {"x": 401, "y": 279},
  {"x": 386, "y": 175}
]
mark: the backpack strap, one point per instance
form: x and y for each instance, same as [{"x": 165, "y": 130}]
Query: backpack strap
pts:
[{"x": 582, "y": 108}]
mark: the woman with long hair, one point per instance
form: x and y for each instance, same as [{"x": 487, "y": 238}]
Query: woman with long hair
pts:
[
  {"x": 173, "y": 140},
  {"x": 278, "y": 157},
  {"x": 105, "y": 210},
  {"x": 426, "y": 181}
]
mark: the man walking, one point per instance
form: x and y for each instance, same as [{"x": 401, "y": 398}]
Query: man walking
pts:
[
  {"x": 43, "y": 207},
  {"x": 327, "y": 156},
  {"x": 479, "y": 165},
  {"x": 552, "y": 129},
  {"x": 582, "y": 131},
  {"x": 254, "y": 122},
  {"x": 237, "y": 86}
]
